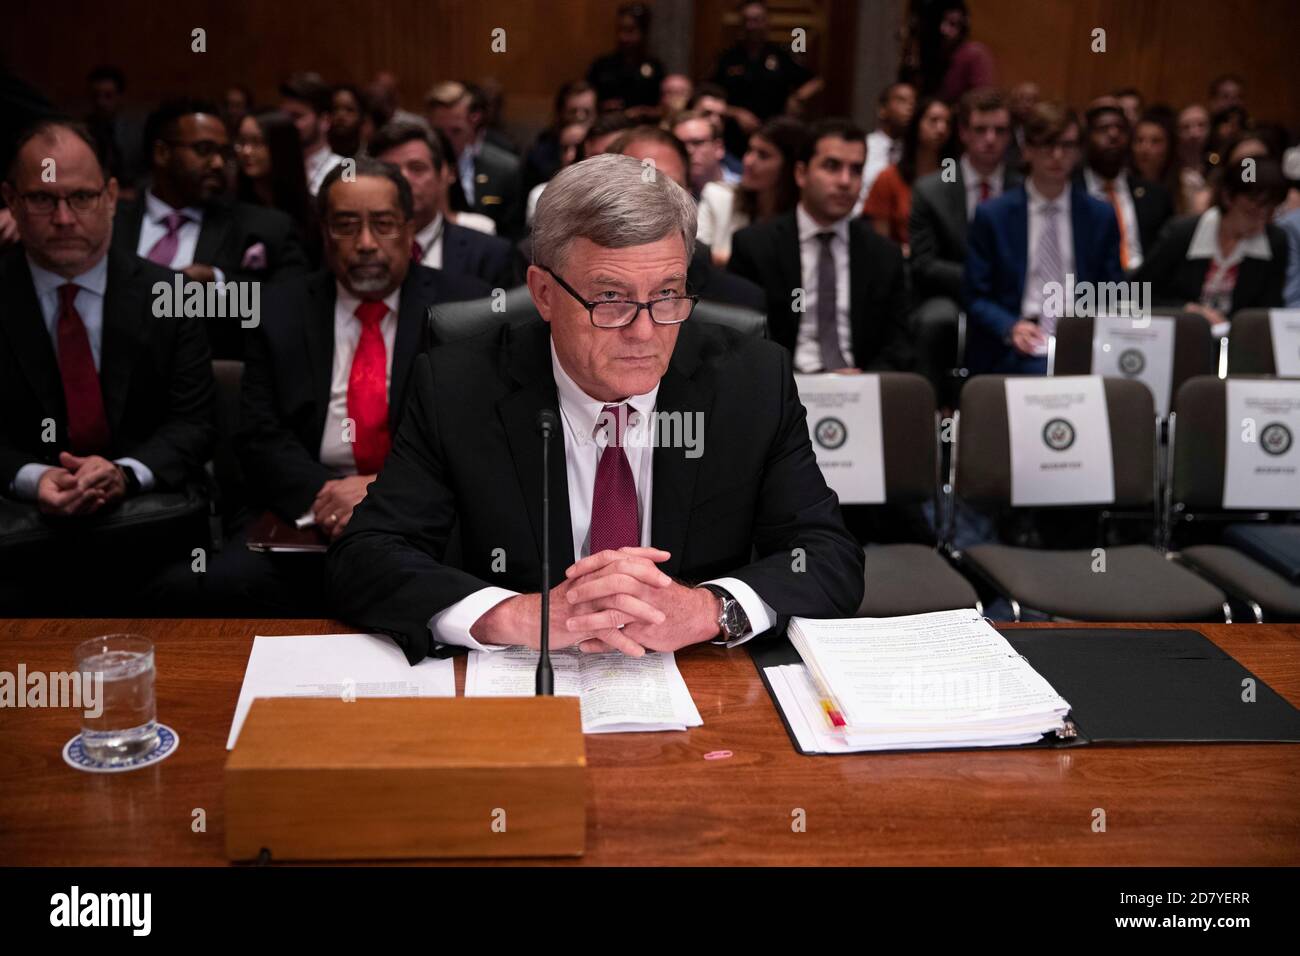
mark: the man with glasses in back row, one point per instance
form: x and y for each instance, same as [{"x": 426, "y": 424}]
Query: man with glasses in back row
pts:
[
  {"x": 102, "y": 401},
  {"x": 184, "y": 222},
  {"x": 686, "y": 501}
]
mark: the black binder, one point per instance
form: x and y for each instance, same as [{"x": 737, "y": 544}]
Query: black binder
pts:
[{"x": 1124, "y": 686}]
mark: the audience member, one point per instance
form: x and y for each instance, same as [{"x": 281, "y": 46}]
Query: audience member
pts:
[
  {"x": 1023, "y": 246},
  {"x": 1193, "y": 143},
  {"x": 117, "y": 133},
  {"x": 350, "y": 120},
  {"x": 926, "y": 144},
  {"x": 894, "y": 111},
  {"x": 836, "y": 292},
  {"x": 628, "y": 78},
  {"x": 309, "y": 101},
  {"x": 759, "y": 75},
  {"x": 489, "y": 179},
  {"x": 268, "y": 153},
  {"x": 575, "y": 105}
]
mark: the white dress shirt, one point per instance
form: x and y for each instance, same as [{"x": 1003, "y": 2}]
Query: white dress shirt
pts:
[
  {"x": 1031, "y": 304},
  {"x": 972, "y": 179},
  {"x": 882, "y": 150},
  {"x": 318, "y": 165},
  {"x": 335, "y": 451},
  {"x": 476, "y": 221},
  {"x": 89, "y": 303},
  {"x": 1124, "y": 197},
  {"x": 465, "y": 168},
  {"x": 718, "y": 218},
  {"x": 153, "y": 228},
  {"x": 429, "y": 239},
  {"x": 583, "y": 446},
  {"x": 807, "y": 350}
]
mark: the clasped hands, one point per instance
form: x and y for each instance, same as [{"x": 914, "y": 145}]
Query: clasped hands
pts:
[
  {"x": 79, "y": 485},
  {"x": 612, "y": 600}
]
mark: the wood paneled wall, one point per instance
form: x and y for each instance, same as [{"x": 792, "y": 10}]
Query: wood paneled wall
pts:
[{"x": 1169, "y": 49}]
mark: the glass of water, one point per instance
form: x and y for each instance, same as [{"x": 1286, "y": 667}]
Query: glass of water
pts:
[{"x": 126, "y": 726}]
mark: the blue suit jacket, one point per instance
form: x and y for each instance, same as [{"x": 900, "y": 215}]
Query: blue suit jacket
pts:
[{"x": 997, "y": 256}]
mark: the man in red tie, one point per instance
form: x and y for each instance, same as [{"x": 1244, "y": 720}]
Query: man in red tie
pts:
[
  {"x": 326, "y": 373},
  {"x": 686, "y": 501},
  {"x": 102, "y": 401}
]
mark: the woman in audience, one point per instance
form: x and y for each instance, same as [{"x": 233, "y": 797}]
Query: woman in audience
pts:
[
  {"x": 1193, "y": 137},
  {"x": 1152, "y": 157},
  {"x": 926, "y": 144},
  {"x": 268, "y": 152},
  {"x": 1228, "y": 258},
  {"x": 350, "y": 123},
  {"x": 766, "y": 188}
]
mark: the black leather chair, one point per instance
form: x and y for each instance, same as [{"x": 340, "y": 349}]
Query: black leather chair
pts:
[
  {"x": 1250, "y": 344},
  {"x": 453, "y": 321}
]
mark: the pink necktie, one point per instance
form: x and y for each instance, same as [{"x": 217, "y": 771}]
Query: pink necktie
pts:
[
  {"x": 164, "y": 250},
  {"x": 615, "y": 520}
]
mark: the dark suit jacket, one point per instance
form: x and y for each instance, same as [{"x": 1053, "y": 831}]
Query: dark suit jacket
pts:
[
  {"x": 498, "y": 190},
  {"x": 768, "y": 253},
  {"x": 937, "y": 232},
  {"x": 468, "y": 454},
  {"x": 155, "y": 375},
  {"x": 1176, "y": 280},
  {"x": 1152, "y": 204},
  {"x": 718, "y": 285},
  {"x": 228, "y": 231},
  {"x": 997, "y": 257},
  {"x": 287, "y": 372},
  {"x": 468, "y": 252}
]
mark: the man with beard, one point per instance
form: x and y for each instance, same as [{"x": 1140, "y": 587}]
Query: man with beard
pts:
[
  {"x": 326, "y": 376},
  {"x": 1141, "y": 207},
  {"x": 183, "y": 222}
]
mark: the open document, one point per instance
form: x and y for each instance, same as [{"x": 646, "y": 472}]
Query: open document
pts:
[
  {"x": 617, "y": 693},
  {"x": 347, "y": 666},
  {"x": 925, "y": 681}
]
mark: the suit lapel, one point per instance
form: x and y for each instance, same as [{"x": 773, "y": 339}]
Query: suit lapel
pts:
[
  {"x": 318, "y": 330},
  {"x": 1018, "y": 237},
  {"x": 24, "y": 324},
  {"x": 123, "y": 334},
  {"x": 126, "y": 225},
  {"x": 453, "y": 249},
  {"x": 786, "y": 230},
  {"x": 675, "y": 474},
  {"x": 217, "y": 223},
  {"x": 529, "y": 359},
  {"x": 859, "y": 291},
  {"x": 418, "y": 292}
]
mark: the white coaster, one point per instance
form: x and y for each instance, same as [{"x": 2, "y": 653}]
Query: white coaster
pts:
[{"x": 74, "y": 754}]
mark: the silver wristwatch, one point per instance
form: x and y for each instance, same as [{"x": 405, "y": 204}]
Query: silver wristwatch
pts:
[{"x": 733, "y": 622}]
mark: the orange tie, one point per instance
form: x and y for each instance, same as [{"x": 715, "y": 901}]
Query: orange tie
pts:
[{"x": 1119, "y": 216}]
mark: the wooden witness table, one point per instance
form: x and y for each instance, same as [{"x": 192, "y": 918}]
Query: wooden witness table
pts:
[{"x": 654, "y": 800}]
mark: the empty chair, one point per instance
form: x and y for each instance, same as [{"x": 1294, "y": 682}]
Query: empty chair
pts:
[
  {"x": 1250, "y": 344},
  {"x": 1197, "y": 475},
  {"x": 1193, "y": 352},
  {"x": 1138, "y": 583},
  {"x": 910, "y": 578},
  {"x": 453, "y": 321}
]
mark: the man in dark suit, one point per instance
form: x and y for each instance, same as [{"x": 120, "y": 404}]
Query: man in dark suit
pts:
[
  {"x": 942, "y": 207},
  {"x": 1141, "y": 207},
  {"x": 182, "y": 223},
  {"x": 490, "y": 179},
  {"x": 651, "y": 144},
  {"x": 326, "y": 376},
  {"x": 729, "y": 498},
  {"x": 439, "y": 243},
  {"x": 103, "y": 401},
  {"x": 1030, "y": 245},
  {"x": 836, "y": 291}
]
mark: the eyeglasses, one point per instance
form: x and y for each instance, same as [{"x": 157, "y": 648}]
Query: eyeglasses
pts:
[
  {"x": 617, "y": 313},
  {"x": 44, "y": 204},
  {"x": 205, "y": 148},
  {"x": 384, "y": 225}
]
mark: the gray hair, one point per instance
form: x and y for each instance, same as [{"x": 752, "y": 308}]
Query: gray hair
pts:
[{"x": 614, "y": 201}]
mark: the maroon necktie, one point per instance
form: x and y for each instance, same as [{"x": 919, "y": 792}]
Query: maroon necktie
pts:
[
  {"x": 368, "y": 391},
  {"x": 87, "y": 423},
  {"x": 615, "y": 517},
  {"x": 417, "y": 254},
  {"x": 164, "y": 250},
  {"x": 985, "y": 190}
]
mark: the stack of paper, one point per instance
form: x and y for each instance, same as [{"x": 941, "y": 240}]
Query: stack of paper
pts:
[
  {"x": 924, "y": 681},
  {"x": 617, "y": 693},
  {"x": 336, "y": 665}
]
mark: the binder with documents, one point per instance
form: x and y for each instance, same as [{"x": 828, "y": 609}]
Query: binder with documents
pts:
[{"x": 1123, "y": 686}]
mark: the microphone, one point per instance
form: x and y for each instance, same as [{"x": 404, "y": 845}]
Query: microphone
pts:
[{"x": 547, "y": 423}]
